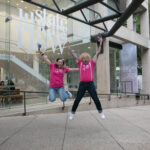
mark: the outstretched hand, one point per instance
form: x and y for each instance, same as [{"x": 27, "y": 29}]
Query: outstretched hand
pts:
[
  {"x": 39, "y": 49},
  {"x": 100, "y": 49},
  {"x": 100, "y": 40},
  {"x": 39, "y": 46}
]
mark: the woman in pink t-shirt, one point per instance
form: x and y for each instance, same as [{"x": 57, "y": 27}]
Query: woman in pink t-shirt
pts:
[
  {"x": 86, "y": 74},
  {"x": 56, "y": 84}
]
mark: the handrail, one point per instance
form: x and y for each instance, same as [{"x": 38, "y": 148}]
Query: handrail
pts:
[
  {"x": 134, "y": 94},
  {"x": 24, "y": 97},
  {"x": 25, "y": 92}
]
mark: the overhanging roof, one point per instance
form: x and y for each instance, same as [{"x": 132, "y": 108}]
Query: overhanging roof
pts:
[{"x": 81, "y": 5}]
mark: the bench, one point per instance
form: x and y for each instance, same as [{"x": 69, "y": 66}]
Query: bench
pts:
[
  {"x": 12, "y": 96},
  {"x": 4, "y": 99}
]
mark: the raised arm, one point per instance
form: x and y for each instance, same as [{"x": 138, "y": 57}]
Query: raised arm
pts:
[
  {"x": 73, "y": 69},
  {"x": 72, "y": 52},
  {"x": 45, "y": 58},
  {"x": 98, "y": 50}
]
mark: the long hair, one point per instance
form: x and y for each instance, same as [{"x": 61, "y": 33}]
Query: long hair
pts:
[
  {"x": 85, "y": 55},
  {"x": 63, "y": 66}
]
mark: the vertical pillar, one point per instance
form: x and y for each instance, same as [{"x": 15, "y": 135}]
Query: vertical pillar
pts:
[
  {"x": 144, "y": 22},
  {"x": 8, "y": 39},
  {"x": 103, "y": 67},
  {"x": 3, "y": 74},
  {"x": 146, "y": 71},
  {"x": 103, "y": 70}
]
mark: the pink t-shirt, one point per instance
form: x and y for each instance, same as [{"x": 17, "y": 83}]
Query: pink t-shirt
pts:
[
  {"x": 86, "y": 72},
  {"x": 57, "y": 76}
]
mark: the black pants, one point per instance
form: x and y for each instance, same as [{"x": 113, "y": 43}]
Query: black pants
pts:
[{"x": 90, "y": 87}]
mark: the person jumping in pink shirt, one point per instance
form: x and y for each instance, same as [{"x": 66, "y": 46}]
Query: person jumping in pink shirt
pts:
[
  {"x": 86, "y": 75},
  {"x": 56, "y": 84}
]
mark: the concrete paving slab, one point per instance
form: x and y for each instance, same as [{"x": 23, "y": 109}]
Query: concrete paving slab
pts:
[
  {"x": 45, "y": 132},
  {"x": 11, "y": 126},
  {"x": 123, "y": 129},
  {"x": 85, "y": 133},
  {"x": 127, "y": 132}
]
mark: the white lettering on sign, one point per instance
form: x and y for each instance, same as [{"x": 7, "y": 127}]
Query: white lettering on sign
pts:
[{"x": 47, "y": 29}]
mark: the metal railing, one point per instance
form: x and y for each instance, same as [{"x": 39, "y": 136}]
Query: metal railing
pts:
[
  {"x": 138, "y": 96},
  {"x": 9, "y": 93},
  {"x": 123, "y": 88}
]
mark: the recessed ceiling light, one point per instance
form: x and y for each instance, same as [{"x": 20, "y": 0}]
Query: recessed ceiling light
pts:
[
  {"x": 89, "y": 47},
  {"x": 25, "y": 7},
  {"x": 22, "y": 1},
  {"x": 8, "y": 1},
  {"x": 17, "y": 4}
]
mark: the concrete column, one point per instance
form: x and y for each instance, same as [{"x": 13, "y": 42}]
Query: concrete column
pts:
[
  {"x": 103, "y": 70},
  {"x": 3, "y": 74},
  {"x": 144, "y": 21},
  {"x": 36, "y": 62},
  {"x": 146, "y": 71},
  {"x": 130, "y": 20}
]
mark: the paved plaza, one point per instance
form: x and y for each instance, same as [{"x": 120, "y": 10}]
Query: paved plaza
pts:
[{"x": 125, "y": 128}]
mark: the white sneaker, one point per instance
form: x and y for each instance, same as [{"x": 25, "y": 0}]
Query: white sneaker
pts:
[
  {"x": 102, "y": 115},
  {"x": 71, "y": 116},
  {"x": 70, "y": 94}
]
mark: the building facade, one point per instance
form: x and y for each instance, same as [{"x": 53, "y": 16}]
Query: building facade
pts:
[{"x": 23, "y": 25}]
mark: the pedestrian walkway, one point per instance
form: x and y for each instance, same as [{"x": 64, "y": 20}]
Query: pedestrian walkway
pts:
[{"x": 125, "y": 128}]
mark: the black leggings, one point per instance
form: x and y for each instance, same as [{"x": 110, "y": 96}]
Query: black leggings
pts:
[{"x": 90, "y": 87}]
